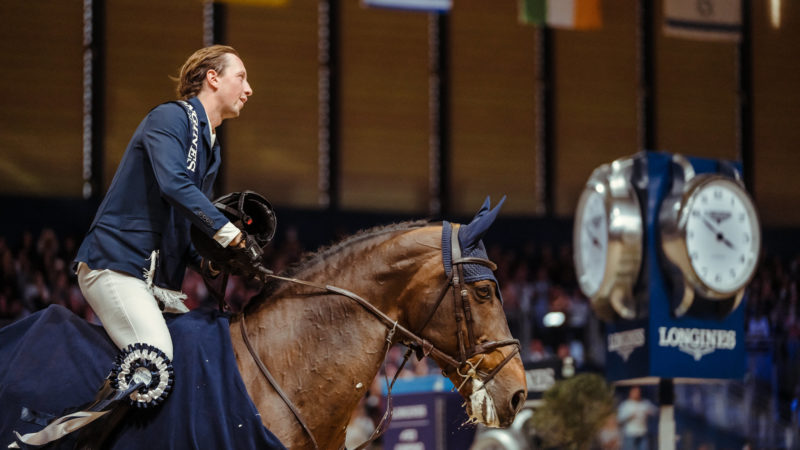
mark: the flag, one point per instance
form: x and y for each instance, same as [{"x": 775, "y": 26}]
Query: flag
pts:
[
  {"x": 416, "y": 5},
  {"x": 707, "y": 20},
  {"x": 565, "y": 14},
  {"x": 271, "y": 3}
]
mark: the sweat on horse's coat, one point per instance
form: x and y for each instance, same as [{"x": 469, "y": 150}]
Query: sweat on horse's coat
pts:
[{"x": 54, "y": 360}]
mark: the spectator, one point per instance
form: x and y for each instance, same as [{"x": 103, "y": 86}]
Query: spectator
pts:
[{"x": 633, "y": 415}]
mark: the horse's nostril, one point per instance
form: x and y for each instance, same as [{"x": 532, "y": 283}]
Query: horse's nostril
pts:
[{"x": 517, "y": 400}]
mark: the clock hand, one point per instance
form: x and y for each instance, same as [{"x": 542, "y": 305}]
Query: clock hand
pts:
[
  {"x": 595, "y": 241},
  {"x": 725, "y": 241},
  {"x": 720, "y": 236},
  {"x": 709, "y": 225}
]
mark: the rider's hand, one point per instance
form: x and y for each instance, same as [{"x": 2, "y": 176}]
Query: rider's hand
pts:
[{"x": 238, "y": 241}]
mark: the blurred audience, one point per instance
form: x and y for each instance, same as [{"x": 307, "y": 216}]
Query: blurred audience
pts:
[{"x": 545, "y": 308}]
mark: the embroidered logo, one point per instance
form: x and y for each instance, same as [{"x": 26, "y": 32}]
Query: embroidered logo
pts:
[{"x": 191, "y": 159}]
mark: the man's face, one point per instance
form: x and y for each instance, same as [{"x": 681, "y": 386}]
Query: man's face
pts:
[{"x": 233, "y": 88}]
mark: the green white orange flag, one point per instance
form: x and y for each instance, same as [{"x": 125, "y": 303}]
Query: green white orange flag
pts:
[{"x": 564, "y": 14}]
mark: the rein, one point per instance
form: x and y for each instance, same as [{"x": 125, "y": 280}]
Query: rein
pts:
[{"x": 413, "y": 340}]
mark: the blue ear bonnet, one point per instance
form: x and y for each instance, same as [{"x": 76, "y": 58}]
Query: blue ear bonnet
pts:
[
  {"x": 469, "y": 239},
  {"x": 472, "y": 272}
]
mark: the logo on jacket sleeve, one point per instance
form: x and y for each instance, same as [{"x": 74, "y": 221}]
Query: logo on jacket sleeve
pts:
[{"x": 191, "y": 159}]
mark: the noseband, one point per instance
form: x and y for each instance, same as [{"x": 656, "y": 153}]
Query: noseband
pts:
[{"x": 468, "y": 347}]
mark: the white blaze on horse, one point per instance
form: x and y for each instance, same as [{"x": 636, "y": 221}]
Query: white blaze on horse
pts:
[{"x": 322, "y": 332}]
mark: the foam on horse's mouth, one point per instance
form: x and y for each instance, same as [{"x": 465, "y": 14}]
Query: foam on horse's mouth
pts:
[{"x": 480, "y": 408}]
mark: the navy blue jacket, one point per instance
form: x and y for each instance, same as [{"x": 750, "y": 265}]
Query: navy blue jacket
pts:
[{"x": 162, "y": 186}]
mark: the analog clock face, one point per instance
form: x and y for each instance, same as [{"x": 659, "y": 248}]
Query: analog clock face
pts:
[
  {"x": 722, "y": 235},
  {"x": 591, "y": 240}
]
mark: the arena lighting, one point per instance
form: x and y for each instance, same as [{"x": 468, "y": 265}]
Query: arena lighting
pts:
[
  {"x": 775, "y": 13},
  {"x": 554, "y": 319}
]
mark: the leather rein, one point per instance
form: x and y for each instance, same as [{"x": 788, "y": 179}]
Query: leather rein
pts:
[{"x": 467, "y": 345}]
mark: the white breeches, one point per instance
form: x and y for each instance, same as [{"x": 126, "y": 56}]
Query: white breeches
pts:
[{"x": 126, "y": 308}]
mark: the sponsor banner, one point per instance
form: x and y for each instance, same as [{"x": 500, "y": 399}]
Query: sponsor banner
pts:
[{"x": 425, "y": 416}]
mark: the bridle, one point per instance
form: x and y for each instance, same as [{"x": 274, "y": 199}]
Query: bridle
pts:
[{"x": 468, "y": 347}]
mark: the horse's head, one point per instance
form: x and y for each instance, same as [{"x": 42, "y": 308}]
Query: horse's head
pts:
[{"x": 468, "y": 328}]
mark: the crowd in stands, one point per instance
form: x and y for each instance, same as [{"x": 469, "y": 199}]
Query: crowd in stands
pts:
[{"x": 536, "y": 279}]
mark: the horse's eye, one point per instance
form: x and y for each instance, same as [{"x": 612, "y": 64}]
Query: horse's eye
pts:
[{"x": 484, "y": 292}]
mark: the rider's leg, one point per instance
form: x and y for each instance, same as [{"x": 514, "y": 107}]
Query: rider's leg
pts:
[
  {"x": 126, "y": 308},
  {"x": 132, "y": 319}
]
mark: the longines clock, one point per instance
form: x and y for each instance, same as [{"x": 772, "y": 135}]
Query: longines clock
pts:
[{"x": 710, "y": 232}]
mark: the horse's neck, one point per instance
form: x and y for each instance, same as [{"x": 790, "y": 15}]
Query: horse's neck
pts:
[{"x": 324, "y": 350}]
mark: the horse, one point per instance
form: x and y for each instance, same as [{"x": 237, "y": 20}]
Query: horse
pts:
[{"x": 307, "y": 349}]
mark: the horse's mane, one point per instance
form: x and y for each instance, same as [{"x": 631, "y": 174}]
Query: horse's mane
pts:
[{"x": 311, "y": 258}]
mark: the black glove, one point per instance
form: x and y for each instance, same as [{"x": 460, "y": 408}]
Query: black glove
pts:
[{"x": 245, "y": 260}]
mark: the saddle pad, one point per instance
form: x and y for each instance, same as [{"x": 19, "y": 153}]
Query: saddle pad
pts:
[{"x": 54, "y": 360}]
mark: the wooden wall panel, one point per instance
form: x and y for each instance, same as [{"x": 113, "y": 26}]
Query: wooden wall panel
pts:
[
  {"x": 776, "y": 101},
  {"x": 147, "y": 42},
  {"x": 595, "y": 94},
  {"x": 493, "y": 107},
  {"x": 41, "y": 115},
  {"x": 272, "y": 146},
  {"x": 695, "y": 95},
  {"x": 384, "y": 120}
]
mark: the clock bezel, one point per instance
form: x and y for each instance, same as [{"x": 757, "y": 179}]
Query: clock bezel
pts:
[{"x": 625, "y": 233}]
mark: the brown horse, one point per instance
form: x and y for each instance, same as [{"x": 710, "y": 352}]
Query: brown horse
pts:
[{"x": 325, "y": 347}]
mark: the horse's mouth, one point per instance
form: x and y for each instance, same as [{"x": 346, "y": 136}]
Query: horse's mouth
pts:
[{"x": 481, "y": 409}]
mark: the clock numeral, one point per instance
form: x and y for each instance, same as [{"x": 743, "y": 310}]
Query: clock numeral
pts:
[
  {"x": 741, "y": 259},
  {"x": 695, "y": 213},
  {"x": 693, "y": 255},
  {"x": 733, "y": 273},
  {"x": 717, "y": 193},
  {"x": 718, "y": 278},
  {"x": 704, "y": 199},
  {"x": 741, "y": 217},
  {"x": 704, "y": 270},
  {"x": 691, "y": 235},
  {"x": 747, "y": 238}
]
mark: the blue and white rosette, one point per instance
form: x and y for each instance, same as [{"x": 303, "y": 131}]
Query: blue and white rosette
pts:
[{"x": 146, "y": 365}]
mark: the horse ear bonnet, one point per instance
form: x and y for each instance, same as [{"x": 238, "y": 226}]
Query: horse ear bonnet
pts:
[
  {"x": 469, "y": 238},
  {"x": 250, "y": 212}
]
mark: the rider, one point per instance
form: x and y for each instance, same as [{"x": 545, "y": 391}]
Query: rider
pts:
[
  {"x": 132, "y": 261},
  {"x": 139, "y": 240}
]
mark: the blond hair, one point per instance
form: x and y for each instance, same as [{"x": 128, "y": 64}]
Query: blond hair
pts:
[{"x": 193, "y": 72}]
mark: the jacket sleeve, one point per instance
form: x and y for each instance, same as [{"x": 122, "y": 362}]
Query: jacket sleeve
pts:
[{"x": 166, "y": 137}]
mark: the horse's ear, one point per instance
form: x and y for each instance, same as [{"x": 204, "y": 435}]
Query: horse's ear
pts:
[{"x": 469, "y": 235}]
